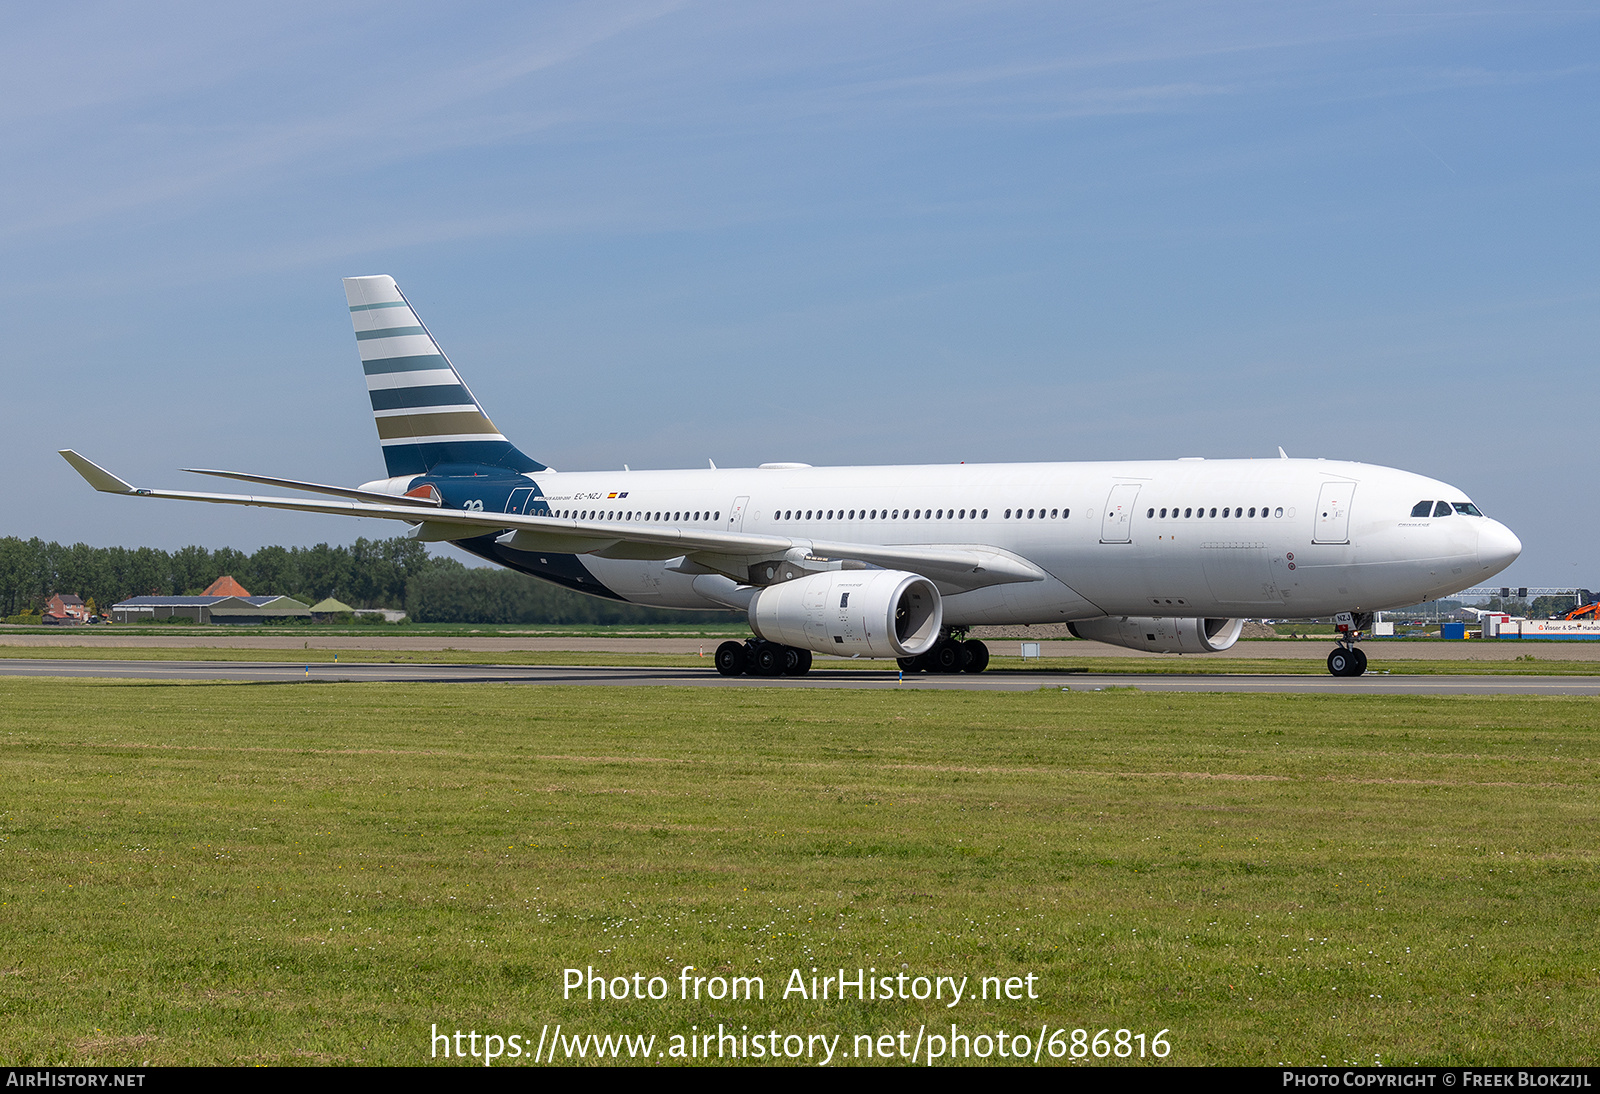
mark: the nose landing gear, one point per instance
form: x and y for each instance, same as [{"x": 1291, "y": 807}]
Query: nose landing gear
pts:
[
  {"x": 1347, "y": 662},
  {"x": 1348, "y": 659}
]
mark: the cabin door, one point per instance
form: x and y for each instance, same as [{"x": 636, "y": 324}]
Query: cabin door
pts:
[
  {"x": 1333, "y": 513},
  {"x": 1116, "y": 526}
]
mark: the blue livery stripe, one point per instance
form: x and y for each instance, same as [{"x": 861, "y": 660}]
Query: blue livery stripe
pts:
[
  {"x": 388, "y": 332},
  {"x": 418, "y": 459},
  {"x": 568, "y": 570},
  {"x": 385, "y": 304},
  {"x": 421, "y": 362},
  {"x": 398, "y": 398}
]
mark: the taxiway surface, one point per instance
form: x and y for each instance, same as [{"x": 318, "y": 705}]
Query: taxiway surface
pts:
[{"x": 622, "y": 676}]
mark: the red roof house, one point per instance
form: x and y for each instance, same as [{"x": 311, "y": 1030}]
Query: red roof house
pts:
[
  {"x": 225, "y": 586},
  {"x": 64, "y": 609}
]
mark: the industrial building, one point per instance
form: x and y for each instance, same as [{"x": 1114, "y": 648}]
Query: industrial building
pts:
[{"x": 224, "y": 602}]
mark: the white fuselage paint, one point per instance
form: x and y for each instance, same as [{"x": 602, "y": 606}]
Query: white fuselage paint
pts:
[{"x": 1129, "y": 562}]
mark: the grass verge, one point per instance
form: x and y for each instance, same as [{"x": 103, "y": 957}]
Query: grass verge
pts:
[{"x": 223, "y": 873}]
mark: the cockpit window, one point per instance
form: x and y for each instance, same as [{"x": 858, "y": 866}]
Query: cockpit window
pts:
[
  {"x": 1422, "y": 508},
  {"x": 1467, "y": 509},
  {"x": 1442, "y": 509}
]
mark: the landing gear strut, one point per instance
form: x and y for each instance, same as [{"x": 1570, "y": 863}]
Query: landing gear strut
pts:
[
  {"x": 759, "y": 657},
  {"x": 951, "y": 653},
  {"x": 1348, "y": 659}
]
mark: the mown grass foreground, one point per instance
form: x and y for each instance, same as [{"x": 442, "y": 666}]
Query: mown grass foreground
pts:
[{"x": 225, "y": 873}]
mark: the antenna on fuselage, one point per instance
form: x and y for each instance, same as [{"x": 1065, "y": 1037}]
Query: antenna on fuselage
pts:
[{"x": 1282, "y": 455}]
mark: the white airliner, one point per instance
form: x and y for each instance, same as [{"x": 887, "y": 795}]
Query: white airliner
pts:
[{"x": 901, "y": 561}]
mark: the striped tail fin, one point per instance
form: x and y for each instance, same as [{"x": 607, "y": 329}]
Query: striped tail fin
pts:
[{"x": 425, "y": 414}]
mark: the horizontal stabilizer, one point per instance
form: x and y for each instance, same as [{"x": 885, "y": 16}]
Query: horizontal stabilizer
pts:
[{"x": 429, "y": 501}]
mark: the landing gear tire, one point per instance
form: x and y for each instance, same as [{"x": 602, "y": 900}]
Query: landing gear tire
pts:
[
  {"x": 1347, "y": 662},
  {"x": 950, "y": 655},
  {"x": 977, "y": 656},
  {"x": 730, "y": 658},
  {"x": 770, "y": 659},
  {"x": 947, "y": 656},
  {"x": 796, "y": 662}
]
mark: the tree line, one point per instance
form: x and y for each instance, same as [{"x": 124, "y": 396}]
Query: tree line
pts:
[
  {"x": 389, "y": 573},
  {"x": 503, "y": 596},
  {"x": 366, "y": 574}
]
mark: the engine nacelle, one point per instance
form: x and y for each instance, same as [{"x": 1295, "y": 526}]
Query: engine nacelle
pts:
[
  {"x": 1161, "y": 635},
  {"x": 871, "y": 613}
]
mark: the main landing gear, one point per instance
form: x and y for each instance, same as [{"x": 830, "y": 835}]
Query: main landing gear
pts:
[
  {"x": 950, "y": 654},
  {"x": 759, "y": 657},
  {"x": 1347, "y": 659}
]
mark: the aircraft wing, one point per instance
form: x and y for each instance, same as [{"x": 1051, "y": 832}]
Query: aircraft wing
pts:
[{"x": 954, "y": 566}]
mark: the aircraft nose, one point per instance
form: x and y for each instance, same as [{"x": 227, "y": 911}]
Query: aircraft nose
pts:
[{"x": 1498, "y": 546}]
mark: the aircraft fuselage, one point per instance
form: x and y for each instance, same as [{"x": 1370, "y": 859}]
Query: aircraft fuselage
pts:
[{"x": 1185, "y": 538}]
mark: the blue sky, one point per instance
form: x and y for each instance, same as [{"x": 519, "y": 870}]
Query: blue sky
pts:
[{"x": 656, "y": 233}]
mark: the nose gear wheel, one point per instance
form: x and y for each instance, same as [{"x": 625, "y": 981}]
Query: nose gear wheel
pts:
[{"x": 1349, "y": 661}]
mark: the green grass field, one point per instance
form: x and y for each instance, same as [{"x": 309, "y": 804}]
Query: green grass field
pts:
[{"x": 321, "y": 873}]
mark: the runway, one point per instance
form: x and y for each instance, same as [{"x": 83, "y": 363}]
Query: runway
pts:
[
  {"x": 868, "y": 679},
  {"x": 1314, "y": 649}
]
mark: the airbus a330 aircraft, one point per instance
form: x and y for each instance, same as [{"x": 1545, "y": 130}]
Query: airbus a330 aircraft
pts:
[{"x": 901, "y": 561}]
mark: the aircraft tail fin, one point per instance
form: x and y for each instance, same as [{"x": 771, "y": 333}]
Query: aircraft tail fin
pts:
[{"x": 425, "y": 415}]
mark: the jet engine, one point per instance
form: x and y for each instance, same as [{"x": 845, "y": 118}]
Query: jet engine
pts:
[
  {"x": 873, "y": 613},
  {"x": 1161, "y": 634}
]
